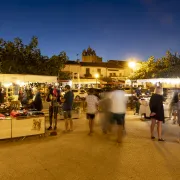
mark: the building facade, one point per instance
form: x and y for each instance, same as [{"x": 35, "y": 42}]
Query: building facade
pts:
[{"x": 83, "y": 73}]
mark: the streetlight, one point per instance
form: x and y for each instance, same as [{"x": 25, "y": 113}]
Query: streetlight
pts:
[
  {"x": 132, "y": 65},
  {"x": 96, "y": 76}
]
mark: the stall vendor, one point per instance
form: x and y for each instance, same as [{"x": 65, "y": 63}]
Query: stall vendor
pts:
[
  {"x": 1, "y": 96},
  {"x": 37, "y": 101}
]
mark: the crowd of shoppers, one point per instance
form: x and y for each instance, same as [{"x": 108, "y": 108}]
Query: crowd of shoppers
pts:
[{"x": 112, "y": 105}]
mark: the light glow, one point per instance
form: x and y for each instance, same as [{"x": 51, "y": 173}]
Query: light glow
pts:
[
  {"x": 96, "y": 75},
  {"x": 132, "y": 64}
]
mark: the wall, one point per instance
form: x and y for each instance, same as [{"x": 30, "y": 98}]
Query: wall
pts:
[
  {"x": 81, "y": 70},
  {"x": 72, "y": 68},
  {"x": 93, "y": 70},
  {"x": 91, "y": 59}
]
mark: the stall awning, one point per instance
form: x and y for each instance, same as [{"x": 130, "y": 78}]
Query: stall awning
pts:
[{"x": 14, "y": 78}]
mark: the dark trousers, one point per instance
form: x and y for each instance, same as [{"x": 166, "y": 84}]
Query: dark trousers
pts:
[{"x": 53, "y": 111}]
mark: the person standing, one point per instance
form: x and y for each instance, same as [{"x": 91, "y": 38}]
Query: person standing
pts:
[
  {"x": 67, "y": 108},
  {"x": 53, "y": 110},
  {"x": 138, "y": 92},
  {"x": 1, "y": 96},
  {"x": 157, "y": 112},
  {"x": 91, "y": 104},
  {"x": 118, "y": 111},
  {"x": 37, "y": 101}
]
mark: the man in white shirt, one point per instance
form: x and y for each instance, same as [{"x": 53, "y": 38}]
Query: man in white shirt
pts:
[
  {"x": 91, "y": 104},
  {"x": 118, "y": 110}
]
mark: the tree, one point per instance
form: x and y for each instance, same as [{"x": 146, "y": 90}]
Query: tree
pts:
[
  {"x": 167, "y": 66},
  {"x": 19, "y": 58},
  {"x": 57, "y": 63}
]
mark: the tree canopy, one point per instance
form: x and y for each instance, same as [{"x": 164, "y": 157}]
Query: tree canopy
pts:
[
  {"x": 166, "y": 67},
  {"x": 18, "y": 58}
]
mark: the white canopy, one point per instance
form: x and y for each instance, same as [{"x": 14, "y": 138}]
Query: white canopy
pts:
[
  {"x": 160, "y": 80},
  {"x": 15, "y": 78}
]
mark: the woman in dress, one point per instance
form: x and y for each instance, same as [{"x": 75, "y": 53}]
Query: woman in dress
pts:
[{"x": 157, "y": 112}]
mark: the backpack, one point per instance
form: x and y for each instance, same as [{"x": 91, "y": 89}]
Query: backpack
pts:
[
  {"x": 175, "y": 98},
  {"x": 49, "y": 98}
]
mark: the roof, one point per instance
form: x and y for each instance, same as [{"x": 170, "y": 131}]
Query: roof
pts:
[
  {"x": 109, "y": 64},
  {"x": 119, "y": 62},
  {"x": 72, "y": 62}
]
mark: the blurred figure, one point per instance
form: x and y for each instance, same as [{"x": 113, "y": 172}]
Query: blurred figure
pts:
[
  {"x": 24, "y": 100},
  {"x": 148, "y": 92},
  {"x": 67, "y": 108},
  {"x": 178, "y": 115},
  {"x": 138, "y": 92},
  {"x": 20, "y": 96},
  {"x": 157, "y": 112},
  {"x": 137, "y": 104},
  {"x": 118, "y": 111},
  {"x": 92, "y": 105},
  {"x": 174, "y": 107},
  {"x": 105, "y": 105},
  {"x": 178, "y": 109}
]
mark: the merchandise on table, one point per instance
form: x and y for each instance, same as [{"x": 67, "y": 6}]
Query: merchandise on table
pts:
[{"x": 25, "y": 113}]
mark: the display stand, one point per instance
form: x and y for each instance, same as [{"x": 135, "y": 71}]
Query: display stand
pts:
[
  {"x": 5, "y": 128},
  {"x": 28, "y": 126}
]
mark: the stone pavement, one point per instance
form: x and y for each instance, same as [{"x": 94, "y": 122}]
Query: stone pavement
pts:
[{"x": 77, "y": 156}]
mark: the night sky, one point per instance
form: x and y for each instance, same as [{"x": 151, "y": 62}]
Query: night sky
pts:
[{"x": 116, "y": 29}]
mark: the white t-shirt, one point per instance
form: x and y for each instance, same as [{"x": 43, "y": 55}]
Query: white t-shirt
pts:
[
  {"x": 118, "y": 101},
  {"x": 92, "y": 102}
]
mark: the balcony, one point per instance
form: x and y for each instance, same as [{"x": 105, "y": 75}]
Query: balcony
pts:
[
  {"x": 88, "y": 75},
  {"x": 113, "y": 75}
]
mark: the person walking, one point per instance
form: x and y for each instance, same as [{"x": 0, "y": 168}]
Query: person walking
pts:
[
  {"x": 174, "y": 107},
  {"x": 91, "y": 103},
  {"x": 104, "y": 105},
  {"x": 118, "y": 111},
  {"x": 157, "y": 112},
  {"x": 67, "y": 108},
  {"x": 178, "y": 121}
]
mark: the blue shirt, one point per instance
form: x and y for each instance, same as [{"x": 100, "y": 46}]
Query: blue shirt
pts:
[{"x": 69, "y": 97}]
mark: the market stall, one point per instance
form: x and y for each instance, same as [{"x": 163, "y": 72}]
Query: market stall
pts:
[
  {"x": 20, "y": 123},
  {"x": 28, "y": 126},
  {"x": 5, "y": 128},
  {"x": 12, "y": 84},
  {"x": 5, "y": 121}
]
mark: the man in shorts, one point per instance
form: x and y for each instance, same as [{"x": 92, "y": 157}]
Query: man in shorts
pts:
[
  {"x": 91, "y": 104},
  {"x": 67, "y": 108},
  {"x": 118, "y": 111}
]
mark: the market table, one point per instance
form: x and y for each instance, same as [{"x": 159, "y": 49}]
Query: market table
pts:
[
  {"x": 5, "y": 128},
  {"x": 28, "y": 126}
]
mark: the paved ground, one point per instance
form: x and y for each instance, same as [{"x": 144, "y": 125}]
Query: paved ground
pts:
[{"x": 76, "y": 156}]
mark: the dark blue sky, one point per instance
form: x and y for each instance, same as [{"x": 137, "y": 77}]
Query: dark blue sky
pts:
[{"x": 116, "y": 29}]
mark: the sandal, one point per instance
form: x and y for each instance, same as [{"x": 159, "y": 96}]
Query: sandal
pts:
[
  {"x": 152, "y": 137},
  {"x": 161, "y": 139}
]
